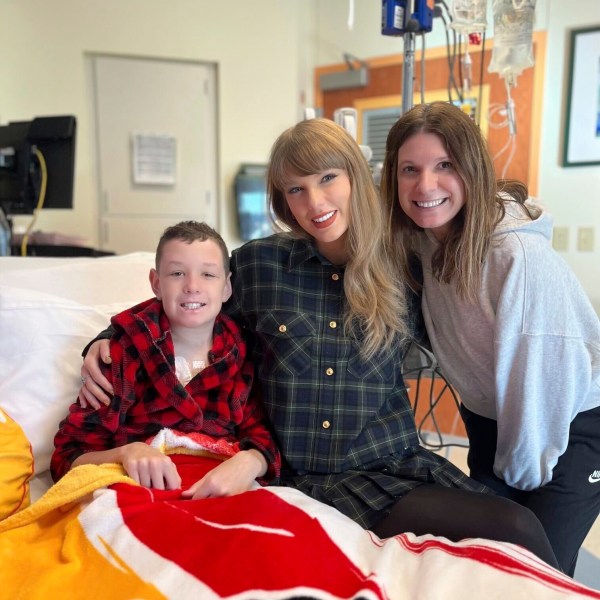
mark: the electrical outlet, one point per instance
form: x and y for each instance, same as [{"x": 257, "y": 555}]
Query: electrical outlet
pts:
[
  {"x": 560, "y": 239},
  {"x": 585, "y": 239}
]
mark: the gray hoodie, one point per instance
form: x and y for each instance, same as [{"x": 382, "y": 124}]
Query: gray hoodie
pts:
[{"x": 526, "y": 353}]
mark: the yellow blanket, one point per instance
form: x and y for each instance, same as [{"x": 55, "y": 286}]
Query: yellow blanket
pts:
[{"x": 47, "y": 554}]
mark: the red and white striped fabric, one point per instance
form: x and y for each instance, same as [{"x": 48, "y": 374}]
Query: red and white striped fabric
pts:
[{"x": 96, "y": 535}]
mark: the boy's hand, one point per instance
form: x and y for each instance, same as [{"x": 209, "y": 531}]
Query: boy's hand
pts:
[
  {"x": 93, "y": 383},
  {"x": 234, "y": 476},
  {"x": 149, "y": 467}
]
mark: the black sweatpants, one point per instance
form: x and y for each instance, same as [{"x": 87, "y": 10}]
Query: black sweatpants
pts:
[{"x": 568, "y": 505}]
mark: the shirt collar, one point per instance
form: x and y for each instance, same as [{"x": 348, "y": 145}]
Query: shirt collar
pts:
[{"x": 302, "y": 251}]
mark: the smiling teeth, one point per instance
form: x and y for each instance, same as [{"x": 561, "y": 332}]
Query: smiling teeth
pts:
[
  {"x": 192, "y": 305},
  {"x": 430, "y": 204},
  {"x": 324, "y": 217}
]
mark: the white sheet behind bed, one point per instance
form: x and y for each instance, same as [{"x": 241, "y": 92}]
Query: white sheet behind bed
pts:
[{"x": 49, "y": 309}]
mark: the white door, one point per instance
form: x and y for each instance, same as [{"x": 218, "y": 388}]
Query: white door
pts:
[{"x": 157, "y": 147}]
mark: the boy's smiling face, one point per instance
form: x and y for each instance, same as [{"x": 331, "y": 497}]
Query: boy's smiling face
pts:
[{"x": 191, "y": 282}]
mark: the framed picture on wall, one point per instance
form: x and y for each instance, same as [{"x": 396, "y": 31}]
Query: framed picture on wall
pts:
[{"x": 582, "y": 135}]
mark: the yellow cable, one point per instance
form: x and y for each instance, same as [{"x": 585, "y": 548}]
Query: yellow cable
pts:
[{"x": 40, "y": 202}]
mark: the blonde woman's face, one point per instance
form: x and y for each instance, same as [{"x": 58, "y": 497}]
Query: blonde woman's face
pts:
[
  {"x": 430, "y": 191},
  {"x": 320, "y": 203}
]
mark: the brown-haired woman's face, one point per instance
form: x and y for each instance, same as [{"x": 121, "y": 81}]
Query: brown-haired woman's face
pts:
[{"x": 430, "y": 191}]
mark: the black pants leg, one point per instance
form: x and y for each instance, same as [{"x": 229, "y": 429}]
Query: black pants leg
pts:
[
  {"x": 458, "y": 514},
  {"x": 569, "y": 504}
]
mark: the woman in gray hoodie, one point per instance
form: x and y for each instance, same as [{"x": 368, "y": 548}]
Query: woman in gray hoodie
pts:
[{"x": 508, "y": 322}]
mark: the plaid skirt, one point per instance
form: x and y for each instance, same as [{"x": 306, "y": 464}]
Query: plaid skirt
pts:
[{"x": 367, "y": 495}]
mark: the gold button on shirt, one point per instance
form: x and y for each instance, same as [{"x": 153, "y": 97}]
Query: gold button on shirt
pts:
[{"x": 326, "y": 424}]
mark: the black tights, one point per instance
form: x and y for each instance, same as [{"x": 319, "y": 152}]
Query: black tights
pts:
[{"x": 458, "y": 514}]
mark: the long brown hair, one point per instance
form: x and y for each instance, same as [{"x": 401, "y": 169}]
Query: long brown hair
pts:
[
  {"x": 461, "y": 254},
  {"x": 375, "y": 299}
]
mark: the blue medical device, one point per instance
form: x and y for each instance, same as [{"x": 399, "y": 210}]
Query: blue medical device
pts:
[
  {"x": 402, "y": 16},
  {"x": 407, "y": 18}
]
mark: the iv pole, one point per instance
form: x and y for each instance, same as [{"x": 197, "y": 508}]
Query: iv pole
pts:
[
  {"x": 408, "y": 70},
  {"x": 407, "y": 18}
]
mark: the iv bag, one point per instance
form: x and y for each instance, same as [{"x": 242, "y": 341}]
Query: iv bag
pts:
[
  {"x": 469, "y": 16},
  {"x": 513, "y": 37}
]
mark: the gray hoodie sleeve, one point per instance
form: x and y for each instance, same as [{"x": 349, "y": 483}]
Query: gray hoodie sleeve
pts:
[{"x": 547, "y": 357}]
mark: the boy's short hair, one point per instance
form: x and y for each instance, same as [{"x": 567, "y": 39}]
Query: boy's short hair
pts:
[{"x": 192, "y": 231}]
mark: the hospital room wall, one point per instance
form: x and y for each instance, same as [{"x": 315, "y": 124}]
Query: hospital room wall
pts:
[
  {"x": 571, "y": 194},
  {"x": 266, "y": 51},
  {"x": 264, "y": 71}
]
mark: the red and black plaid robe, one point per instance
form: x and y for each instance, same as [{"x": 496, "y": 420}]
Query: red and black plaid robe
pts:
[{"x": 148, "y": 396}]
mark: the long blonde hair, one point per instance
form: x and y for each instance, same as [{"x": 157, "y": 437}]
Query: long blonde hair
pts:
[
  {"x": 462, "y": 253},
  {"x": 375, "y": 295}
]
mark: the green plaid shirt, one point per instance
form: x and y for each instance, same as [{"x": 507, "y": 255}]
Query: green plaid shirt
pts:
[
  {"x": 332, "y": 410},
  {"x": 344, "y": 425}
]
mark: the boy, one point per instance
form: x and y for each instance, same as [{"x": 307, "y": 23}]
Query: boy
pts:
[{"x": 177, "y": 363}]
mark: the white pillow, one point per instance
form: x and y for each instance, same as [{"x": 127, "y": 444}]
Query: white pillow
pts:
[
  {"x": 89, "y": 281},
  {"x": 42, "y": 334}
]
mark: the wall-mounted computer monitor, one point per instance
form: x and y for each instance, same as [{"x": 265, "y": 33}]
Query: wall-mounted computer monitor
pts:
[
  {"x": 20, "y": 168},
  {"x": 251, "y": 200}
]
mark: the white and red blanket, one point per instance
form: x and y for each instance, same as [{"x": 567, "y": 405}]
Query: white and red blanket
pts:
[{"x": 97, "y": 535}]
